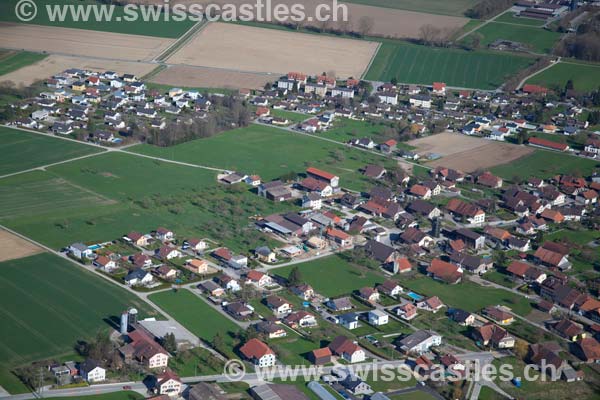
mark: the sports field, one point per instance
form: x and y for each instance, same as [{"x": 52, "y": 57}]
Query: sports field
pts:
[
  {"x": 158, "y": 28},
  {"x": 544, "y": 164},
  {"x": 410, "y": 63},
  {"x": 54, "y": 310},
  {"x": 444, "y": 7},
  {"x": 585, "y": 77},
  {"x": 23, "y": 150},
  {"x": 333, "y": 276},
  {"x": 13, "y": 60},
  {"x": 195, "y": 314},
  {"x": 100, "y": 198},
  {"x": 537, "y": 39},
  {"x": 270, "y": 152}
]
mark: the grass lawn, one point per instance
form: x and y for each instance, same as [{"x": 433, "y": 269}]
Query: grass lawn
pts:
[
  {"x": 478, "y": 296},
  {"x": 585, "y": 77},
  {"x": 159, "y": 28},
  {"x": 197, "y": 316},
  {"x": 195, "y": 362},
  {"x": 52, "y": 316},
  {"x": 11, "y": 61},
  {"x": 293, "y": 117},
  {"x": 417, "y": 395},
  {"x": 544, "y": 164},
  {"x": 581, "y": 237},
  {"x": 444, "y": 7},
  {"x": 293, "y": 349},
  {"x": 410, "y": 63},
  {"x": 271, "y": 153},
  {"x": 345, "y": 129},
  {"x": 538, "y": 39},
  {"x": 333, "y": 276},
  {"x": 107, "y": 396},
  {"x": 23, "y": 150},
  {"x": 512, "y": 19},
  {"x": 101, "y": 198},
  {"x": 453, "y": 333}
]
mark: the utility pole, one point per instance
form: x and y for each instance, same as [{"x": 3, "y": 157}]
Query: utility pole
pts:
[{"x": 41, "y": 382}]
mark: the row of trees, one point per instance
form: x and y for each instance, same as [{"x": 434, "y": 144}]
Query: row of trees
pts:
[
  {"x": 585, "y": 44},
  {"x": 488, "y": 8}
]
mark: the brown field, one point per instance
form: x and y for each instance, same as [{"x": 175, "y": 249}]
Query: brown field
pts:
[
  {"x": 179, "y": 75},
  {"x": 250, "y": 49},
  {"x": 387, "y": 22},
  {"x": 54, "y": 64},
  {"x": 466, "y": 153},
  {"x": 12, "y": 247},
  {"x": 81, "y": 42}
]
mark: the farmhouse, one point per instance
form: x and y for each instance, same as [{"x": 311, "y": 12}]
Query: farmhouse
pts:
[
  {"x": 331, "y": 179},
  {"x": 343, "y": 347},
  {"x": 259, "y": 353},
  {"x": 444, "y": 271}
]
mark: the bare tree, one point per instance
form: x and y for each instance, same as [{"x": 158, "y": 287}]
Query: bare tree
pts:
[{"x": 365, "y": 25}]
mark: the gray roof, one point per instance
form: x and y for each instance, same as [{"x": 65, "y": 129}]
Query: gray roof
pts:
[{"x": 79, "y": 246}]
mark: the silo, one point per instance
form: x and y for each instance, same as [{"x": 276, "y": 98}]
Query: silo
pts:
[
  {"x": 132, "y": 316},
  {"x": 124, "y": 322}
]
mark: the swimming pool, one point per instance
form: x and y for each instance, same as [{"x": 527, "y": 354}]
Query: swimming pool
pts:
[
  {"x": 94, "y": 247},
  {"x": 414, "y": 296}
]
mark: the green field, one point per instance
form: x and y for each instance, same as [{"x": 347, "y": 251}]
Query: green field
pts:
[
  {"x": 23, "y": 150},
  {"x": 197, "y": 316},
  {"x": 103, "y": 197},
  {"x": 270, "y": 153},
  {"x": 410, "y": 63},
  {"x": 585, "y": 77},
  {"x": 478, "y": 296},
  {"x": 108, "y": 396},
  {"x": 119, "y": 24},
  {"x": 444, "y": 7},
  {"x": 47, "y": 306},
  {"x": 537, "y": 39},
  {"x": 544, "y": 164},
  {"x": 333, "y": 276},
  {"x": 11, "y": 61}
]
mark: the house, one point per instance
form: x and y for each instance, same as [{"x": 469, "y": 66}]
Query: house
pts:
[
  {"x": 228, "y": 283},
  {"x": 169, "y": 383},
  {"x": 406, "y": 311},
  {"x": 424, "y": 208},
  {"x": 444, "y": 271},
  {"x": 498, "y": 315},
  {"x": 317, "y": 186},
  {"x": 206, "y": 391},
  {"x": 474, "y": 264},
  {"x": 196, "y": 245},
  {"x": 164, "y": 235},
  {"x": 488, "y": 179},
  {"x": 91, "y": 371},
  {"x": 419, "y": 342},
  {"x": 374, "y": 171},
  {"x": 588, "y": 350},
  {"x": 105, "y": 263},
  {"x": 463, "y": 318},
  {"x": 238, "y": 261},
  {"x": 197, "y": 266},
  {"x": 278, "y": 305},
  {"x": 258, "y": 353},
  {"x": 339, "y": 237},
  {"x": 494, "y": 336},
  {"x": 369, "y": 294},
  {"x": 378, "y": 317},
  {"x": 544, "y": 355},
  {"x": 420, "y": 100},
  {"x": 212, "y": 288},
  {"x": 432, "y": 304},
  {"x": 380, "y": 252},
  {"x": 270, "y": 329},
  {"x": 420, "y": 191},
  {"x": 312, "y": 200},
  {"x": 80, "y": 251},
  {"x": 355, "y": 385},
  {"x": 390, "y": 145},
  {"x": 137, "y": 238},
  {"x": 331, "y": 179},
  {"x": 349, "y": 320},
  {"x": 167, "y": 253},
  {"x": 265, "y": 254},
  {"x": 415, "y": 236},
  {"x": 340, "y": 304},
  {"x": 145, "y": 350},
  {"x": 300, "y": 319},
  {"x": 304, "y": 291},
  {"x": 567, "y": 329},
  {"x": 554, "y": 255},
  {"x": 470, "y": 238},
  {"x": 320, "y": 356},
  {"x": 439, "y": 88},
  {"x": 138, "y": 277},
  {"x": 343, "y": 347},
  {"x": 467, "y": 211},
  {"x": 259, "y": 279},
  {"x": 526, "y": 272},
  {"x": 390, "y": 288},
  {"x": 238, "y": 310}
]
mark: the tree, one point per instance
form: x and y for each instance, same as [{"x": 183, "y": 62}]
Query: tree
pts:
[
  {"x": 521, "y": 349},
  {"x": 476, "y": 40},
  {"x": 365, "y": 25},
  {"x": 295, "y": 276},
  {"x": 218, "y": 341},
  {"x": 169, "y": 343}
]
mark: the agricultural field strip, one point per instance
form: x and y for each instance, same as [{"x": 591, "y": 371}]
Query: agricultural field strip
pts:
[{"x": 42, "y": 167}]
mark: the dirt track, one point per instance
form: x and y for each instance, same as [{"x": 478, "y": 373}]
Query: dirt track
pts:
[
  {"x": 179, "y": 75},
  {"x": 466, "y": 153},
  {"x": 54, "y": 64},
  {"x": 249, "y": 49},
  {"x": 12, "y": 247},
  {"x": 81, "y": 42}
]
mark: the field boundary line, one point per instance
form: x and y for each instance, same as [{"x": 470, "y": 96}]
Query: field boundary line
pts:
[
  {"x": 43, "y": 167},
  {"x": 182, "y": 41},
  {"x": 528, "y": 77},
  {"x": 366, "y": 70}
]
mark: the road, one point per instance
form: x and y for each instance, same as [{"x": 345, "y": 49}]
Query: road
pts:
[
  {"x": 537, "y": 72},
  {"x": 464, "y": 35}
]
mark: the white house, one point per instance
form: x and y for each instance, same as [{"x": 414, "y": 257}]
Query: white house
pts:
[
  {"x": 138, "y": 277},
  {"x": 349, "y": 321},
  {"x": 378, "y": 317},
  {"x": 80, "y": 250},
  {"x": 92, "y": 372},
  {"x": 419, "y": 342},
  {"x": 259, "y": 353},
  {"x": 169, "y": 384}
]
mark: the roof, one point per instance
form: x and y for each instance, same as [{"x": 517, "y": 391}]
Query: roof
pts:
[
  {"x": 343, "y": 345},
  {"x": 444, "y": 271},
  {"x": 254, "y": 275},
  {"x": 381, "y": 252},
  {"x": 548, "y": 143},
  {"x": 320, "y": 174},
  {"x": 255, "y": 349}
]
